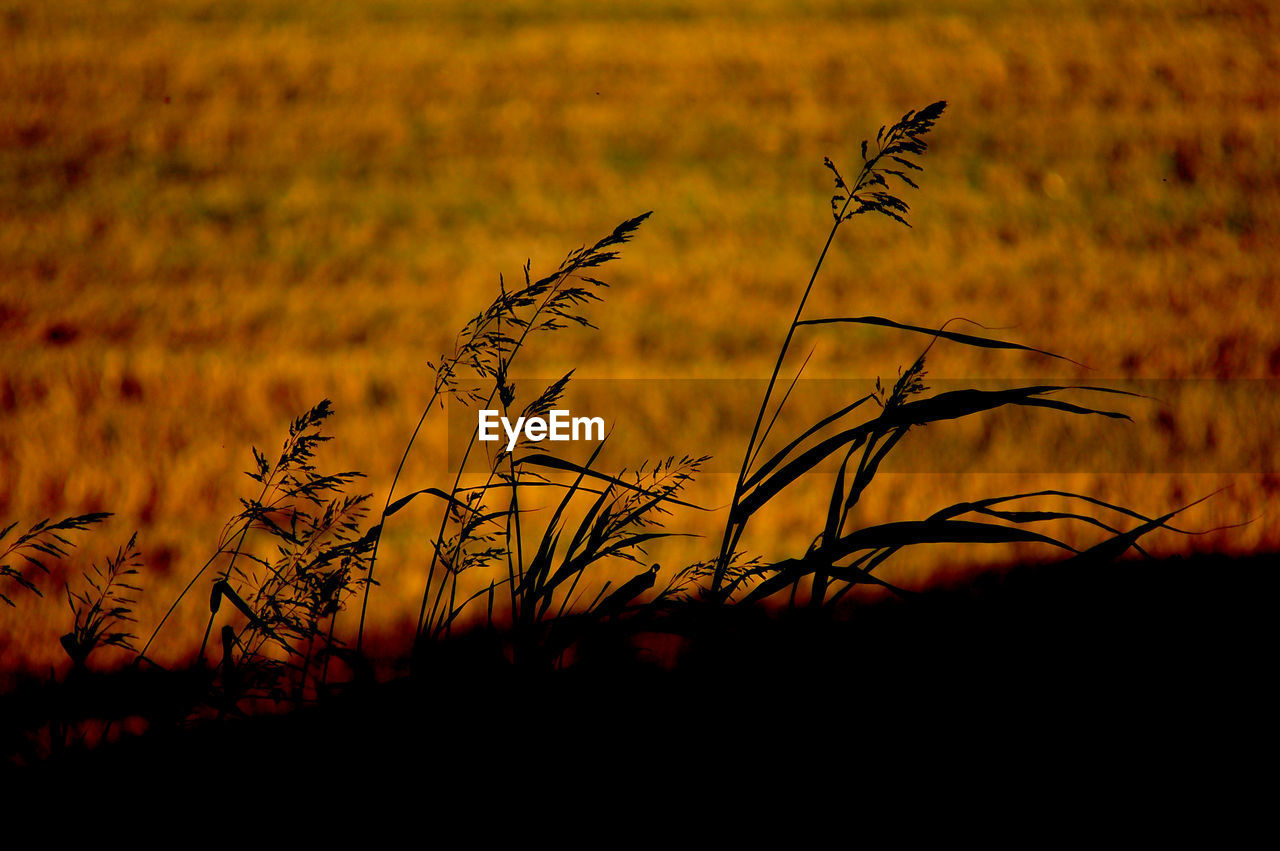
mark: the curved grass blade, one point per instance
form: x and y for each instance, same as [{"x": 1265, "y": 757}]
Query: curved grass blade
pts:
[
  {"x": 778, "y": 410},
  {"x": 955, "y": 404},
  {"x": 944, "y": 406},
  {"x": 911, "y": 532},
  {"x": 568, "y": 496},
  {"x": 978, "y": 505},
  {"x": 613, "y": 605},
  {"x": 893, "y": 536},
  {"x": 793, "y": 570},
  {"x": 436, "y": 492},
  {"x": 954, "y": 336},
  {"x": 781, "y": 455},
  {"x": 1114, "y": 547},
  {"x": 797, "y": 467}
]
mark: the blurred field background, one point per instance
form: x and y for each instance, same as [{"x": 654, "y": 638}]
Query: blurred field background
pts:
[{"x": 213, "y": 215}]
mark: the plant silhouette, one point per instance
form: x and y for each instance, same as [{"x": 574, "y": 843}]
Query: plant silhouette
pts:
[{"x": 301, "y": 549}]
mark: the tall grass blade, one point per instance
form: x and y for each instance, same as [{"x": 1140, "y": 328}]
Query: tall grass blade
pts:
[{"x": 954, "y": 336}]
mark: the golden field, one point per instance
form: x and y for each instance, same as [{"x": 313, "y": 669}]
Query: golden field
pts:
[{"x": 213, "y": 215}]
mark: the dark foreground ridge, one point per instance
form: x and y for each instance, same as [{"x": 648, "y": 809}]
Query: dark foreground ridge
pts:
[{"x": 1161, "y": 658}]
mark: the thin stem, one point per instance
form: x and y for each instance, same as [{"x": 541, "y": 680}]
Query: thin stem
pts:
[
  {"x": 731, "y": 536},
  {"x": 562, "y": 275},
  {"x": 373, "y": 557},
  {"x": 722, "y": 563}
]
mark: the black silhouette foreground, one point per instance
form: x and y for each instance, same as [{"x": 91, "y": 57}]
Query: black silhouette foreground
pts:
[
  {"x": 1145, "y": 665},
  {"x": 1159, "y": 662}
]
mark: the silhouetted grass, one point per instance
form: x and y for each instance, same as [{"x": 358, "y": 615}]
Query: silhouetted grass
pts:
[
  {"x": 293, "y": 556},
  {"x": 102, "y": 612},
  {"x": 847, "y": 557},
  {"x": 297, "y": 178},
  {"x": 45, "y": 540},
  {"x": 1027, "y": 676}
]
